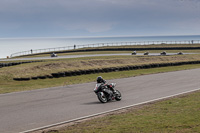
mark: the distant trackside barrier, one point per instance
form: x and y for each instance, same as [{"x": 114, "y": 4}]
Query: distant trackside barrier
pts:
[{"x": 46, "y": 50}]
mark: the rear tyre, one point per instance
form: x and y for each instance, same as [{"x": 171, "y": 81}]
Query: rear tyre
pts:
[
  {"x": 102, "y": 97},
  {"x": 118, "y": 96}
]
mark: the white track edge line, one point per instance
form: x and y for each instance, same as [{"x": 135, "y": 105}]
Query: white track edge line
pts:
[{"x": 85, "y": 117}]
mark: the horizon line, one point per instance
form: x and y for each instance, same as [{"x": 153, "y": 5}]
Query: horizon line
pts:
[{"x": 73, "y": 37}]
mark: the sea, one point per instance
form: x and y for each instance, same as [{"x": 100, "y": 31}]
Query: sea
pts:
[{"x": 9, "y": 46}]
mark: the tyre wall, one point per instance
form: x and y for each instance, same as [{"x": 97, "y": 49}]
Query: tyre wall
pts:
[
  {"x": 105, "y": 70},
  {"x": 15, "y": 63}
]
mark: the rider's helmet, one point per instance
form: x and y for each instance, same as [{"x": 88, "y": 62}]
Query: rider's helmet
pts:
[{"x": 99, "y": 79}]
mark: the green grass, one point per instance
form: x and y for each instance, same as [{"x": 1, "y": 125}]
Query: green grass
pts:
[
  {"x": 7, "y": 85},
  {"x": 52, "y": 66},
  {"x": 176, "y": 115}
]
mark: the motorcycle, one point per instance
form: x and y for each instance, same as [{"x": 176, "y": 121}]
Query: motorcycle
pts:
[
  {"x": 105, "y": 94},
  {"x": 53, "y": 55}
]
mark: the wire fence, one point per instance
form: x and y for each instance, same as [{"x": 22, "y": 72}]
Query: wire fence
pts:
[{"x": 47, "y": 50}]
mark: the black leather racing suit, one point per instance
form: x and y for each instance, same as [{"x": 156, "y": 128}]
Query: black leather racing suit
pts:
[{"x": 111, "y": 88}]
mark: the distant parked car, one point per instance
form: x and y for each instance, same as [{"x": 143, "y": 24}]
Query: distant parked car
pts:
[
  {"x": 53, "y": 55},
  {"x": 163, "y": 53},
  {"x": 134, "y": 53}
]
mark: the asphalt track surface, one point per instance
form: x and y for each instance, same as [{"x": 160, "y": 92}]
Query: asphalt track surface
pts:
[
  {"x": 27, "y": 110},
  {"x": 78, "y": 56}
]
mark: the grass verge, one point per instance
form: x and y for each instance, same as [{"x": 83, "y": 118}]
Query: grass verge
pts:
[
  {"x": 175, "y": 115},
  {"x": 7, "y": 84},
  {"x": 60, "y": 65},
  {"x": 14, "y": 86}
]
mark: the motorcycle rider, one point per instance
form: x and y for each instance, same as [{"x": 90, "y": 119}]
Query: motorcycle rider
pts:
[{"x": 102, "y": 81}]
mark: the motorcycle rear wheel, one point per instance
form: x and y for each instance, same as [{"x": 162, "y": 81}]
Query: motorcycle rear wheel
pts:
[
  {"x": 118, "y": 96},
  {"x": 102, "y": 97}
]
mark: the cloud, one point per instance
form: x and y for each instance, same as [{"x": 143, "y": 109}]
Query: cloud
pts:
[
  {"x": 97, "y": 16},
  {"x": 92, "y": 27}
]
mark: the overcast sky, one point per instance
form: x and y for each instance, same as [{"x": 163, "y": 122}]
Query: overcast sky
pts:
[{"x": 66, "y": 18}]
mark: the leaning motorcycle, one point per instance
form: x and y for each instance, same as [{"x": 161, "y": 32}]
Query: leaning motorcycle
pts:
[{"x": 105, "y": 94}]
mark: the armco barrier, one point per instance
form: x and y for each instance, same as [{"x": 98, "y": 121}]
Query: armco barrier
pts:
[
  {"x": 98, "y": 47},
  {"x": 111, "y": 69}
]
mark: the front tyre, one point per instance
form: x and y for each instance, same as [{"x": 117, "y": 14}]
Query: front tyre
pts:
[
  {"x": 102, "y": 97},
  {"x": 118, "y": 96}
]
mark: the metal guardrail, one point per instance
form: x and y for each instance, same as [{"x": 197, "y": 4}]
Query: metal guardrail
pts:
[{"x": 36, "y": 51}]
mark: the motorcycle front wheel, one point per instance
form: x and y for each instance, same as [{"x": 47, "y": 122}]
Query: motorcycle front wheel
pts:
[
  {"x": 102, "y": 97},
  {"x": 118, "y": 96}
]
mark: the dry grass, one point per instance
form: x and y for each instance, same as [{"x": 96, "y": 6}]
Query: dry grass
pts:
[
  {"x": 50, "y": 66},
  {"x": 7, "y": 84}
]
